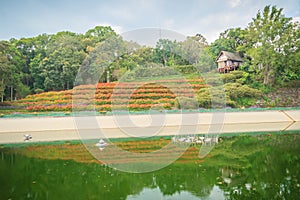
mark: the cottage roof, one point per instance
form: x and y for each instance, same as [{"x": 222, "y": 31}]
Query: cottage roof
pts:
[{"x": 226, "y": 55}]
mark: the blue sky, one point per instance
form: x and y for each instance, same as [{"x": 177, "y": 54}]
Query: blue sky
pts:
[{"x": 28, "y": 18}]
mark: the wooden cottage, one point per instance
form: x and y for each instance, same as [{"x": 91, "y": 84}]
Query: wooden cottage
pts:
[{"x": 228, "y": 61}]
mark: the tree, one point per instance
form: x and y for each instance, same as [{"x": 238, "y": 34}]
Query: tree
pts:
[
  {"x": 99, "y": 64},
  {"x": 4, "y": 67},
  {"x": 192, "y": 49},
  {"x": 229, "y": 40},
  {"x": 64, "y": 56},
  {"x": 96, "y": 35},
  {"x": 267, "y": 42},
  {"x": 195, "y": 51},
  {"x": 11, "y": 62},
  {"x": 165, "y": 52},
  {"x": 205, "y": 62}
]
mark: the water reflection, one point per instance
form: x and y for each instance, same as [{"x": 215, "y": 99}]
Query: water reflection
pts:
[{"x": 264, "y": 167}]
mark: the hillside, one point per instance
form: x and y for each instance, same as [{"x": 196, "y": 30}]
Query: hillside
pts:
[{"x": 133, "y": 96}]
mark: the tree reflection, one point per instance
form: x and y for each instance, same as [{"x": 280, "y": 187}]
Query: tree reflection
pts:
[{"x": 244, "y": 167}]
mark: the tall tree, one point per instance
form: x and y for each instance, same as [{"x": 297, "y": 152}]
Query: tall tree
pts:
[
  {"x": 266, "y": 40},
  {"x": 99, "y": 63},
  {"x": 64, "y": 56},
  {"x": 229, "y": 40},
  {"x": 4, "y": 67},
  {"x": 195, "y": 51},
  {"x": 96, "y": 35},
  {"x": 165, "y": 52}
]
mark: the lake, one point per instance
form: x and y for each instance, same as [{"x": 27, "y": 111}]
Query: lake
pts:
[{"x": 239, "y": 167}]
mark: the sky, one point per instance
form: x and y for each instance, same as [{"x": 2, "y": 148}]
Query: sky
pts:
[{"x": 29, "y": 18}]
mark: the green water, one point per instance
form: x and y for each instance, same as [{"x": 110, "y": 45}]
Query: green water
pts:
[{"x": 248, "y": 167}]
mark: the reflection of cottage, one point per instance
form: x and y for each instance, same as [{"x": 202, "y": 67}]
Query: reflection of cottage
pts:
[{"x": 228, "y": 61}]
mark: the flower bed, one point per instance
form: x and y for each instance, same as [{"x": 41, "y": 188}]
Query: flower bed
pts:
[{"x": 133, "y": 96}]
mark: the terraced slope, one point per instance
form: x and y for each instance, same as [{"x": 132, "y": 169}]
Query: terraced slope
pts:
[{"x": 103, "y": 97}]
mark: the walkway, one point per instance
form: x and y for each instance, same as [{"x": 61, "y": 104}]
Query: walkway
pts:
[{"x": 12, "y": 130}]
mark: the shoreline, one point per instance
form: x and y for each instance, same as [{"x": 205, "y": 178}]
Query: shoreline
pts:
[{"x": 109, "y": 113}]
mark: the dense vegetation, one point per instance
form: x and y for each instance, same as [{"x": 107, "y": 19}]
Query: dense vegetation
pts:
[{"x": 269, "y": 45}]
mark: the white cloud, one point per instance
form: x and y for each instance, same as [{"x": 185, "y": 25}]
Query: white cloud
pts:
[
  {"x": 212, "y": 25},
  {"x": 208, "y": 18}
]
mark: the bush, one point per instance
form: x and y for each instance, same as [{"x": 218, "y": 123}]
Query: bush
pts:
[
  {"x": 242, "y": 95},
  {"x": 228, "y": 78},
  {"x": 236, "y": 95},
  {"x": 23, "y": 90},
  {"x": 236, "y": 91},
  {"x": 186, "y": 103},
  {"x": 214, "y": 80},
  {"x": 213, "y": 97},
  {"x": 150, "y": 71},
  {"x": 38, "y": 91},
  {"x": 235, "y": 77},
  {"x": 238, "y": 74},
  {"x": 186, "y": 69}
]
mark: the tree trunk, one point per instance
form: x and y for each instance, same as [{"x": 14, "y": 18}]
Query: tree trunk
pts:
[
  {"x": 107, "y": 76},
  {"x": 266, "y": 75},
  {"x": 11, "y": 93},
  {"x": 2, "y": 96}
]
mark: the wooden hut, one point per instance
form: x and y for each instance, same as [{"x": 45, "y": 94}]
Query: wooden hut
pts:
[{"x": 228, "y": 61}]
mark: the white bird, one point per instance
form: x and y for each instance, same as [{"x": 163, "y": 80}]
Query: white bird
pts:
[
  {"x": 27, "y": 137},
  {"x": 248, "y": 186},
  {"x": 173, "y": 139},
  {"x": 199, "y": 141},
  {"x": 227, "y": 180},
  {"x": 101, "y": 144},
  {"x": 216, "y": 140},
  {"x": 201, "y": 138},
  {"x": 207, "y": 140},
  {"x": 101, "y": 141},
  {"x": 188, "y": 140}
]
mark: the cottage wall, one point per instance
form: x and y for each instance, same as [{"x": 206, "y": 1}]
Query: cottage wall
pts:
[
  {"x": 228, "y": 61},
  {"x": 221, "y": 64}
]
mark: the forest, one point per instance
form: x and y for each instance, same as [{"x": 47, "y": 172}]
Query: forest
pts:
[{"x": 269, "y": 46}]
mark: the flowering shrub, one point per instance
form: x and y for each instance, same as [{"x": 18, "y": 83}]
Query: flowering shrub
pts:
[{"x": 134, "y": 96}]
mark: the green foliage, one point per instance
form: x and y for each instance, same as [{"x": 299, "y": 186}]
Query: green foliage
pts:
[
  {"x": 228, "y": 78},
  {"x": 236, "y": 95},
  {"x": 150, "y": 71},
  {"x": 236, "y": 91},
  {"x": 22, "y": 90},
  {"x": 229, "y": 40},
  {"x": 98, "y": 34},
  {"x": 236, "y": 77},
  {"x": 38, "y": 90},
  {"x": 212, "y": 97},
  {"x": 270, "y": 42},
  {"x": 243, "y": 95},
  {"x": 186, "y": 103},
  {"x": 185, "y": 69},
  {"x": 204, "y": 99}
]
